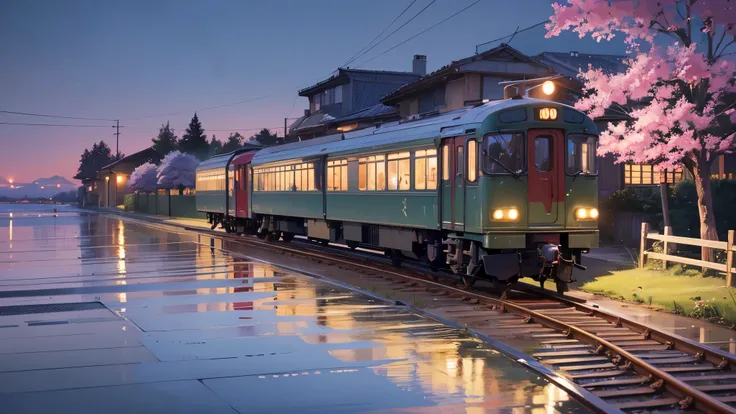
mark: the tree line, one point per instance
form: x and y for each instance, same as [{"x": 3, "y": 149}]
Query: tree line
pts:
[{"x": 194, "y": 141}]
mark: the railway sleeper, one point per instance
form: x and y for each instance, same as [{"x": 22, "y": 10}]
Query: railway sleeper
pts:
[{"x": 625, "y": 392}]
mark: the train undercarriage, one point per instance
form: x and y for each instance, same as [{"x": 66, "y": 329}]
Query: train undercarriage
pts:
[{"x": 454, "y": 252}]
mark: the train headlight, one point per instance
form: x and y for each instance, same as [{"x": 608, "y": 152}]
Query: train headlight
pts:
[
  {"x": 548, "y": 87},
  {"x": 586, "y": 213},
  {"x": 505, "y": 214}
]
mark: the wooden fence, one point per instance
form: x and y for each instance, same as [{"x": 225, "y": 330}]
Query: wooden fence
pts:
[{"x": 669, "y": 241}]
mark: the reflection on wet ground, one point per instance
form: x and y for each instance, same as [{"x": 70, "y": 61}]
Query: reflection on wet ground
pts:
[{"x": 186, "y": 328}]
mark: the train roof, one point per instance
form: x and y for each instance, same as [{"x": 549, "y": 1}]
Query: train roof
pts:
[
  {"x": 394, "y": 134},
  {"x": 220, "y": 161}
]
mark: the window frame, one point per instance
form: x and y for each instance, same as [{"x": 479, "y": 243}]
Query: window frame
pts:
[
  {"x": 426, "y": 157},
  {"x": 525, "y": 151},
  {"x": 366, "y": 161},
  {"x": 467, "y": 160},
  {"x": 341, "y": 165},
  {"x": 597, "y": 158},
  {"x": 550, "y": 153}
]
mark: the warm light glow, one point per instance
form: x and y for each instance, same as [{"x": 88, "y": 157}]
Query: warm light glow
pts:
[
  {"x": 346, "y": 128},
  {"x": 513, "y": 214},
  {"x": 11, "y": 214},
  {"x": 107, "y": 178},
  {"x": 548, "y": 87},
  {"x": 58, "y": 185},
  {"x": 506, "y": 214},
  {"x": 10, "y": 230},
  {"x": 119, "y": 179},
  {"x": 581, "y": 213},
  {"x": 498, "y": 214},
  {"x": 594, "y": 213},
  {"x": 552, "y": 113},
  {"x": 42, "y": 187},
  {"x": 10, "y": 180},
  {"x": 548, "y": 114},
  {"x": 90, "y": 188}
]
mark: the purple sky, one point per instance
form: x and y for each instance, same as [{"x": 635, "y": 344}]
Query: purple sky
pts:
[{"x": 165, "y": 59}]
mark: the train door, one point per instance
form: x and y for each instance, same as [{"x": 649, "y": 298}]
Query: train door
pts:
[
  {"x": 546, "y": 176},
  {"x": 453, "y": 183},
  {"x": 241, "y": 190}
]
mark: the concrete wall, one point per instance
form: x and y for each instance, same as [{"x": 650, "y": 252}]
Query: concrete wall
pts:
[{"x": 172, "y": 205}]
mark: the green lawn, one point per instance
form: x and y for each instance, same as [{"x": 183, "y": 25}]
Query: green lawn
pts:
[{"x": 675, "y": 290}]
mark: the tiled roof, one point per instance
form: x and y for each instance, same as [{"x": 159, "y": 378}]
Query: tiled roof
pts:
[
  {"x": 571, "y": 63},
  {"x": 134, "y": 160},
  {"x": 340, "y": 72},
  {"x": 372, "y": 112}
]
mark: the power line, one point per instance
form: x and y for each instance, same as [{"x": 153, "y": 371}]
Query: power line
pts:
[
  {"x": 420, "y": 33},
  {"x": 392, "y": 33},
  {"x": 355, "y": 56},
  {"x": 54, "y": 125},
  {"x": 54, "y": 116},
  {"x": 511, "y": 35}
]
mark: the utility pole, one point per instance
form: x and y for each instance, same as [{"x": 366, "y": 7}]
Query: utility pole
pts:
[{"x": 117, "y": 138}]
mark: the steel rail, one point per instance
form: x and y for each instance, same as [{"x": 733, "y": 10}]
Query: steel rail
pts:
[{"x": 690, "y": 397}]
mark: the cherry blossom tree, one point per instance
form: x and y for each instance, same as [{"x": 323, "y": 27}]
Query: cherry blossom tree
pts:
[
  {"x": 177, "y": 170},
  {"x": 678, "y": 97},
  {"x": 144, "y": 178}
]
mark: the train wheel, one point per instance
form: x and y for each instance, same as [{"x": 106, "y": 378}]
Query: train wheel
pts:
[
  {"x": 287, "y": 237},
  {"x": 273, "y": 236},
  {"x": 353, "y": 244},
  {"x": 324, "y": 242}
]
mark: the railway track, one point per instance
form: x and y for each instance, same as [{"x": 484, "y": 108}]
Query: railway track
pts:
[{"x": 627, "y": 364}]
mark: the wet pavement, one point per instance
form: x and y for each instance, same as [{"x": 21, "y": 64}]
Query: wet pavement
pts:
[{"x": 102, "y": 315}]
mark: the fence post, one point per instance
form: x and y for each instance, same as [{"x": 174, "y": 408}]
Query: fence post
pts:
[
  {"x": 729, "y": 259},
  {"x": 643, "y": 243},
  {"x": 667, "y": 232}
]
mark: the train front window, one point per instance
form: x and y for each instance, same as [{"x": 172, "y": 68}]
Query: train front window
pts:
[
  {"x": 581, "y": 156},
  {"x": 503, "y": 153}
]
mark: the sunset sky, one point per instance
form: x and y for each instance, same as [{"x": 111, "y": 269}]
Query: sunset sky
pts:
[{"x": 148, "y": 62}]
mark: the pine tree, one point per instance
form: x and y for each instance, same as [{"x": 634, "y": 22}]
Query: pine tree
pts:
[
  {"x": 195, "y": 141},
  {"x": 234, "y": 141},
  {"x": 165, "y": 142},
  {"x": 215, "y": 146},
  {"x": 265, "y": 137},
  {"x": 92, "y": 161}
]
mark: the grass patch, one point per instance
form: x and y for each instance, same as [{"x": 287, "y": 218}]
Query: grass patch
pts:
[{"x": 685, "y": 292}]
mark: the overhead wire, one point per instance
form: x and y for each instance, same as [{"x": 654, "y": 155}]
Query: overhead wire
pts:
[
  {"x": 420, "y": 33},
  {"x": 54, "y": 116},
  {"x": 355, "y": 56},
  {"x": 392, "y": 33},
  {"x": 54, "y": 125},
  {"x": 511, "y": 35}
]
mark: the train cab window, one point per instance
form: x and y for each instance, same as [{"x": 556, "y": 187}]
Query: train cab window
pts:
[
  {"x": 372, "y": 173},
  {"x": 337, "y": 175},
  {"x": 504, "y": 153},
  {"x": 581, "y": 157},
  {"x": 425, "y": 169},
  {"x": 445, "y": 162},
  {"x": 543, "y": 154},
  {"x": 399, "y": 171},
  {"x": 472, "y": 160}
]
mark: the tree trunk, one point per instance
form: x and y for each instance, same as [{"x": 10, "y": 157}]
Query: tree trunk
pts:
[{"x": 708, "y": 230}]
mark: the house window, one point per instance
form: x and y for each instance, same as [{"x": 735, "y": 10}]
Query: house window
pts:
[
  {"x": 372, "y": 173},
  {"x": 337, "y": 175},
  {"x": 399, "y": 171},
  {"x": 316, "y": 102},
  {"x": 425, "y": 169},
  {"x": 647, "y": 174},
  {"x": 338, "y": 94}
]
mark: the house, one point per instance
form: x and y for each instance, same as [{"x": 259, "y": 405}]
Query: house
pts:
[
  {"x": 350, "y": 99},
  {"x": 111, "y": 183}
]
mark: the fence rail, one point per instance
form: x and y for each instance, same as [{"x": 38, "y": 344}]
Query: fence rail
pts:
[{"x": 669, "y": 240}]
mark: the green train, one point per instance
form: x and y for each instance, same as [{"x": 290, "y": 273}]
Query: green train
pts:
[{"x": 500, "y": 190}]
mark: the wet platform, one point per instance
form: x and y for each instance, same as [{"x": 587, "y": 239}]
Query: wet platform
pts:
[{"x": 100, "y": 315}]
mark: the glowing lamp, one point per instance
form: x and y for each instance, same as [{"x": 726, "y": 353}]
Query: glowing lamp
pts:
[
  {"x": 548, "y": 87},
  {"x": 548, "y": 114},
  {"x": 513, "y": 214},
  {"x": 107, "y": 178},
  {"x": 119, "y": 179},
  {"x": 58, "y": 185},
  {"x": 498, "y": 215},
  {"x": 10, "y": 180}
]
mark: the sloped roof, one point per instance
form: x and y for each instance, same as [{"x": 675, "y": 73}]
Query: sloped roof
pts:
[
  {"x": 340, "y": 76},
  {"x": 453, "y": 66},
  {"x": 570, "y": 64},
  {"x": 128, "y": 163},
  {"x": 372, "y": 112}
]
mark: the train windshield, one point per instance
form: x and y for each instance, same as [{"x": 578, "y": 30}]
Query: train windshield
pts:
[
  {"x": 504, "y": 153},
  {"x": 581, "y": 157}
]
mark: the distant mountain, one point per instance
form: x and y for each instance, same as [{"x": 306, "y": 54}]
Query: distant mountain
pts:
[{"x": 42, "y": 187}]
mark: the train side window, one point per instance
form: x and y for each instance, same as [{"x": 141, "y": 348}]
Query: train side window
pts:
[
  {"x": 372, "y": 173},
  {"x": 337, "y": 175},
  {"x": 425, "y": 169},
  {"x": 399, "y": 171},
  {"x": 472, "y": 160},
  {"x": 542, "y": 154},
  {"x": 445, "y": 162}
]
